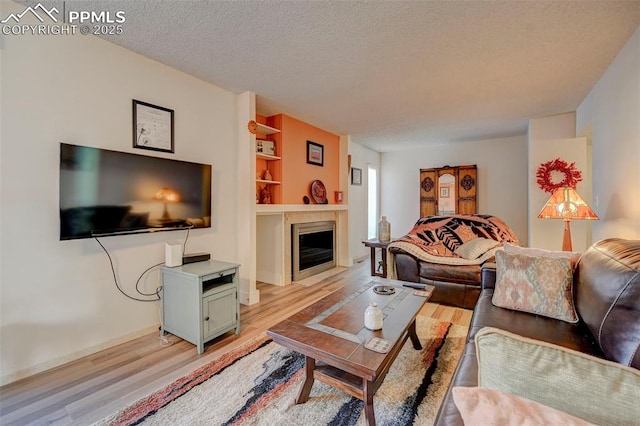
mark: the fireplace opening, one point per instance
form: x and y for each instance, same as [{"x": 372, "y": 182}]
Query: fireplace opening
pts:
[{"x": 313, "y": 247}]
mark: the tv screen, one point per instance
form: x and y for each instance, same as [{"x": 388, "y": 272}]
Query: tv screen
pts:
[{"x": 105, "y": 192}]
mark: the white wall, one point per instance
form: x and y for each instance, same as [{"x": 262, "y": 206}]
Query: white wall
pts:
[
  {"x": 57, "y": 298},
  {"x": 612, "y": 111},
  {"x": 361, "y": 157},
  {"x": 502, "y": 180}
]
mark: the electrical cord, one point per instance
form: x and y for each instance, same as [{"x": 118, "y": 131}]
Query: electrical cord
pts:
[
  {"x": 158, "y": 289},
  {"x": 115, "y": 278}
]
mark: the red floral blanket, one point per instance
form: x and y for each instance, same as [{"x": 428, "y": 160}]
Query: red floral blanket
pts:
[{"x": 442, "y": 235}]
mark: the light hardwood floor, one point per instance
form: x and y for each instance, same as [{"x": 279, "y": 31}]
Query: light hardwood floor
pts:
[{"x": 91, "y": 388}]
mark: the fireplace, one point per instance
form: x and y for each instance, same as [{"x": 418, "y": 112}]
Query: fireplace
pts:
[{"x": 313, "y": 248}]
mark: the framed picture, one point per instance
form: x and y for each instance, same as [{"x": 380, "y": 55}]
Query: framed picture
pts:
[
  {"x": 315, "y": 154},
  {"x": 356, "y": 176},
  {"x": 152, "y": 127},
  {"x": 444, "y": 192}
]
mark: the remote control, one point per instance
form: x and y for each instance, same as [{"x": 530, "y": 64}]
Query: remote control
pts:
[{"x": 416, "y": 286}]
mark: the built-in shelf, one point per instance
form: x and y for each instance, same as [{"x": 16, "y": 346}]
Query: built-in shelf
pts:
[
  {"x": 272, "y": 182},
  {"x": 267, "y": 130},
  {"x": 267, "y": 156}
]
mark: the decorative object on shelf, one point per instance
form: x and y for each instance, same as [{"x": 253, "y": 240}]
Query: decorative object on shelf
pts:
[
  {"x": 318, "y": 192},
  {"x": 373, "y": 317},
  {"x": 444, "y": 192},
  {"x": 384, "y": 230},
  {"x": 252, "y": 126},
  {"x": 265, "y": 147},
  {"x": 315, "y": 153},
  {"x": 305, "y": 199},
  {"x": 566, "y": 204},
  {"x": 166, "y": 195},
  {"x": 267, "y": 175},
  {"x": 547, "y": 171},
  {"x": 265, "y": 195},
  {"x": 356, "y": 176},
  {"x": 152, "y": 127},
  {"x": 338, "y": 196},
  {"x": 258, "y": 175}
]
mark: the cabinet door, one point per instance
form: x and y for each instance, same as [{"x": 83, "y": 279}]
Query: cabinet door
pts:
[
  {"x": 219, "y": 313},
  {"x": 428, "y": 189},
  {"x": 467, "y": 190}
]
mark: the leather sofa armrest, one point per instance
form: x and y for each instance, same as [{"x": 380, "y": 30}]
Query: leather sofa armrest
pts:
[{"x": 488, "y": 275}]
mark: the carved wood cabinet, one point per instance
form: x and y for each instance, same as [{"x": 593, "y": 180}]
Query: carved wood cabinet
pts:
[{"x": 448, "y": 190}]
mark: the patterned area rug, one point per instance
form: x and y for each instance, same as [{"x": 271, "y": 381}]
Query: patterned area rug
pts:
[{"x": 257, "y": 384}]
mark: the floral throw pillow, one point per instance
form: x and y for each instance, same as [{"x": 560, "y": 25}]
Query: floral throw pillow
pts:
[{"x": 534, "y": 284}]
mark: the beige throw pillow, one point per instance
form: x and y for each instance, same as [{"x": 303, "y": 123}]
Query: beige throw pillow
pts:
[
  {"x": 475, "y": 248},
  {"x": 593, "y": 389},
  {"x": 538, "y": 285},
  {"x": 573, "y": 256},
  {"x": 490, "y": 407}
]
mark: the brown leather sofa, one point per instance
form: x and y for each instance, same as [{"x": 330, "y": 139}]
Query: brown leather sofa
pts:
[
  {"x": 606, "y": 296},
  {"x": 457, "y": 285}
]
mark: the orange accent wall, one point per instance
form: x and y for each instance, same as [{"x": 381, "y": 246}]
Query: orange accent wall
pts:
[{"x": 297, "y": 175}]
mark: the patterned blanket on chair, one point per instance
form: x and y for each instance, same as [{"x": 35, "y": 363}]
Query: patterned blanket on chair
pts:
[{"x": 442, "y": 235}]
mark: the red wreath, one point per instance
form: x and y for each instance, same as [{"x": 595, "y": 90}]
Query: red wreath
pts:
[{"x": 572, "y": 176}]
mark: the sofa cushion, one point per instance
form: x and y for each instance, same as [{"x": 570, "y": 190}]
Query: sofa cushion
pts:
[
  {"x": 490, "y": 407},
  {"x": 567, "y": 380},
  {"x": 475, "y": 248},
  {"x": 608, "y": 297},
  {"x": 574, "y": 336},
  {"x": 573, "y": 256},
  {"x": 538, "y": 285}
]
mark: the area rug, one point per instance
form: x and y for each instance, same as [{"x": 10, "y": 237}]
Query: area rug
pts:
[{"x": 257, "y": 384}]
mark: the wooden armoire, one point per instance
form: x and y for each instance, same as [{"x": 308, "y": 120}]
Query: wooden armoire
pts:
[{"x": 453, "y": 186}]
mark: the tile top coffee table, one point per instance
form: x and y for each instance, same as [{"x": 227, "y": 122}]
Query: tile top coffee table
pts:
[{"x": 331, "y": 335}]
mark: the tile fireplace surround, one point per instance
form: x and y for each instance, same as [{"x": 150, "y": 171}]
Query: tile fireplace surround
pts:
[{"x": 273, "y": 237}]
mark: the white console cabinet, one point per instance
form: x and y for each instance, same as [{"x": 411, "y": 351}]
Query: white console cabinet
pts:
[{"x": 200, "y": 301}]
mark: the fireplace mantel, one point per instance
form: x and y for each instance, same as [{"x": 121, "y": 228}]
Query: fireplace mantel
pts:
[
  {"x": 263, "y": 209},
  {"x": 273, "y": 236}
]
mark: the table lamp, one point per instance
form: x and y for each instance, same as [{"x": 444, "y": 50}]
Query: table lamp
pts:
[
  {"x": 566, "y": 204},
  {"x": 166, "y": 195}
]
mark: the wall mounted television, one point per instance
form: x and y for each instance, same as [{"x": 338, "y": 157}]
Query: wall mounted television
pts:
[{"x": 105, "y": 192}]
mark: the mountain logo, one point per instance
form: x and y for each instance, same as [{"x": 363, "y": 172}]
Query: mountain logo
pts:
[{"x": 34, "y": 11}]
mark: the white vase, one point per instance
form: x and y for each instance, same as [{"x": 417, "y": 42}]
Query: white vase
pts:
[
  {"x": 384, "y": 230},
  {"x": 373, "y": 317}
]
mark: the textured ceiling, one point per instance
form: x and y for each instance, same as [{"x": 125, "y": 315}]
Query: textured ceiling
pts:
[{"x": 392, "y": 74}]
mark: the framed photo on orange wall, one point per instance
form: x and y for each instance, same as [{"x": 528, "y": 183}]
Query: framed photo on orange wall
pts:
[{"x": 315, "y": 154}]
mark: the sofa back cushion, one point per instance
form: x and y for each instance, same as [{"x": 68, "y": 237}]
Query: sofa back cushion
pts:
[
  {"x": 600, "y": 391},
  {"x": 608, "y": 297}
]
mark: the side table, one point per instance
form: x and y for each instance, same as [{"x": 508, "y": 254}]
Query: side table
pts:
[{"x": 375, "y": 243}]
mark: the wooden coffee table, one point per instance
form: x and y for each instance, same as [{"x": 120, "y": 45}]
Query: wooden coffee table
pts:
[{"x": 331, "y": 335}]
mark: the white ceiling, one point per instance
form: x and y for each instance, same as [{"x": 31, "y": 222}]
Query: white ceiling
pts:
[{"x": 392, "y": 74}]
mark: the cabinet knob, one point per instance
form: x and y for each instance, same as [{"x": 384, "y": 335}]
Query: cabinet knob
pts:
[{"x": 206, "y": 319}]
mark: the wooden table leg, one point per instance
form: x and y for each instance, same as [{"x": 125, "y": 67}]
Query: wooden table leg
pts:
[
  {"x": 373, "y": 262},
  {"x": 309, "y": 366},
  {"x": 413, "y": 336},
  {"x": 384, "y": 262},
  {"x": 368, "y": 392}
]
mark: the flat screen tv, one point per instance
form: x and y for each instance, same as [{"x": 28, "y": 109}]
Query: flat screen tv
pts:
[{"x": 105, "y": 192}]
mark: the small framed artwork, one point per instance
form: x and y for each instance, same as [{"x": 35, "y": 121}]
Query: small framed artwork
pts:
[
  {"x": 152, "y": 127},
  {"x": 315, "y": 154},
  {"x": 444, "y": 192},
  {"x": 356, "y": 176}
]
